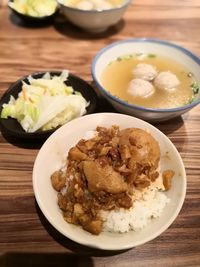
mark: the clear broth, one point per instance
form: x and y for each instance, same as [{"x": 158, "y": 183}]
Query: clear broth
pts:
[{"x": 118, "y": 74}]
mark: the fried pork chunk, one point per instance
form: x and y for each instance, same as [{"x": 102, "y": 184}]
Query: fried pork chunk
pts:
[{"x": 103, "y": 172}]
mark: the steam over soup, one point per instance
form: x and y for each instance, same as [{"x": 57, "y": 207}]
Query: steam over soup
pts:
[{"x": 150, "y": 80}]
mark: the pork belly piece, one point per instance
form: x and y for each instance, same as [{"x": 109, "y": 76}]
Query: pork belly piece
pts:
[{"x": 103, "y": 178}]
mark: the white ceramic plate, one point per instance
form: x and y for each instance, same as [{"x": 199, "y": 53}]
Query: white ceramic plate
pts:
[{"x": 52, "y": 156}]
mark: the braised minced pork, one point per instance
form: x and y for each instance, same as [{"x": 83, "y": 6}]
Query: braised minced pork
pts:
[{"x": 102, "y": 173}]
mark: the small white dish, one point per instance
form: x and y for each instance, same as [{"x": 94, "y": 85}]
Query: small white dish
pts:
[
  {"x": 94, "y": 21},
  {"x": 52, "y": 156}
]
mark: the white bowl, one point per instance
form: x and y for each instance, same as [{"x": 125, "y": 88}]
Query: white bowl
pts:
[
  {"x": 94, "y": 20},
  {"x": 52, "y": 156},
  {"x": 146, "y": 46}
]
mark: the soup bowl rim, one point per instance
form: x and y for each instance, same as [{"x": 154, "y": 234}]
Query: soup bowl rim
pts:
[{"x": 133, "y": 106}]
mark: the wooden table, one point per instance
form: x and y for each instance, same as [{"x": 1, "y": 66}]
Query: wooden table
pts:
[{"x": 26, "y": 237}]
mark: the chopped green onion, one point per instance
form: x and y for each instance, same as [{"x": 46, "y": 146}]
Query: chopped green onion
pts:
[
  {"x": 119, "y": 59},
  {"x": 126, "y": 57},
  {"x": 195, "y": 87},
  {"x": 151, "y": 55},
  {"x": 190, "y": 100},
  {"x": 139, "y": 54}
]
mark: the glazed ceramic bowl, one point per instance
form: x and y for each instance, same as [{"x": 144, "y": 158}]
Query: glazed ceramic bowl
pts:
[
  {"x": 53, "y": 156},
  {"x": 94, "y": 20},
  {"x": 146, "y": 46}
]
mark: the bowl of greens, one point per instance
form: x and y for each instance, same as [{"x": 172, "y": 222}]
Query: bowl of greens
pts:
[
  {"x": 34, "y": 11},
  {"x": 37, "y": 104}
]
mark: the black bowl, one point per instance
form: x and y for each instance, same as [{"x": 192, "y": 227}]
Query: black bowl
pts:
[
  {"x": 11, "y": 128},
  {"x": 30, "y": 19}
]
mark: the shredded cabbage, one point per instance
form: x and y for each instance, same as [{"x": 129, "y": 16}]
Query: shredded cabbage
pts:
[
  {"x": 45, "y": 103},
  {"x": 34, "y": 8}
]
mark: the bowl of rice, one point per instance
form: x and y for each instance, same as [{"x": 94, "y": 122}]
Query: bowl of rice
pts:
[{"x": 117, "y": 223}]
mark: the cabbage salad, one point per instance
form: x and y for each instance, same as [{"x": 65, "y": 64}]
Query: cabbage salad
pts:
[
  {"x": 45, "y": 103},
  {"x": 34, "y": 8}
]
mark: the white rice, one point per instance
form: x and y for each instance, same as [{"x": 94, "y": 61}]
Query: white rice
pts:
[{"x": 149, "y": 205}]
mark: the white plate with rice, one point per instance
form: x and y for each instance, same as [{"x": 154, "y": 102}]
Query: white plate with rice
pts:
[{"x": 147, "y": 220}]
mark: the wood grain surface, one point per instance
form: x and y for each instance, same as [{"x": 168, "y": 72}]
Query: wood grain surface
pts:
[{"x": 26, "y": 238}]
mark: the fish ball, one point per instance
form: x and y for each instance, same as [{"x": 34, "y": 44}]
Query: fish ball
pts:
[
  {"x": 145, "y": 71},
  {"x": 166, "y": 80},
  {"x": 141, "y": 88},
  {"x": 103, "y": 5},
  {"x": 85, "y": 5}
]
